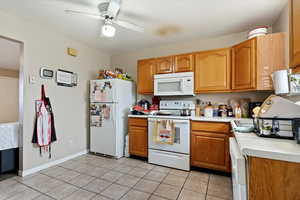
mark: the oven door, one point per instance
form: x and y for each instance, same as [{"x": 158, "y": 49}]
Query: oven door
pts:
[{"x": 182, "y": 137}]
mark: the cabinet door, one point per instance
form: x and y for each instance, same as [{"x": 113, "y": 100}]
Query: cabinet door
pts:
[
  {"x": 146, "y": 71},
  {"x": 138, "y": 141},
  {"x": 213, "y": 71},
  {"x": 184, "y": 63},
  {"x": 210, "y": 150},
  {"x": 295, "y": 33},
  {"x": 165, "y": 65},
  {"x": 244, "y": 66}
]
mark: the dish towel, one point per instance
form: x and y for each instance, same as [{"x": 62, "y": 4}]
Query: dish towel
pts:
[{"x": 164, "y": 132}]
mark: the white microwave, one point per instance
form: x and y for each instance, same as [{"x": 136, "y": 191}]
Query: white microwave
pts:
[{"x": 176, "y": 84}]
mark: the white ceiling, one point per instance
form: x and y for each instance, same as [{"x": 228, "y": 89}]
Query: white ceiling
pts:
[
  {"x": 195, "y": 19},
  {"x": 9, "y": 54}
]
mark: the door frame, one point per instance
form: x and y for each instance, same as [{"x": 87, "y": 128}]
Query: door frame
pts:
[{"x": 21, "y": 98}]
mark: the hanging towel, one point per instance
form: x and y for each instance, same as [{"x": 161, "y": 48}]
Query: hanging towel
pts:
[
  {"x": 44, "y": 129},
  {"x": 164, "y": 132}
]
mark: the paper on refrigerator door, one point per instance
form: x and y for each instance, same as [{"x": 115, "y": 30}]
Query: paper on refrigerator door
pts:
[
  {"x": 99, "y": 96},
  {"x": 96, "y": 119}
]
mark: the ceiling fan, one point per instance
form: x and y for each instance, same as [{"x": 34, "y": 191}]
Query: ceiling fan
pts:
[{"x": 108, "y": 12}]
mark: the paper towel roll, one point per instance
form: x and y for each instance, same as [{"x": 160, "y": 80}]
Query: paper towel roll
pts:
[{"x": 281, "y": 82}]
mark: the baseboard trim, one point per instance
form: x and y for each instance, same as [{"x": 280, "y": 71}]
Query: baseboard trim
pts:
[{"x": 50, "y": 164}]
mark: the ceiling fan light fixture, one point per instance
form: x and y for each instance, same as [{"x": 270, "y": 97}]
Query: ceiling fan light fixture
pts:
[{"x": 108, "y": 30}]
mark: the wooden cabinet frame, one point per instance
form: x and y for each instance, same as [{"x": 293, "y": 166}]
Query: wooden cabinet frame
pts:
[
  {"x": 146, "y": 80},
  {"x": 212, "y": 134},
  {"x": 272, "y": 179},
  {"x": 138, "y": 136},
  {"x": 225, "y": 86},
  {"x": 295, "y": 35}
]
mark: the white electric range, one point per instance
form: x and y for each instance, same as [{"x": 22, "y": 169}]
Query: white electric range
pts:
[{"x": 176, "y": 155}]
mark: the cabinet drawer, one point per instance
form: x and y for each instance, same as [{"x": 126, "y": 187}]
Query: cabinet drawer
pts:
[
  {"x": 210, "y": 127},
  {"x": 138, "y": 122}
]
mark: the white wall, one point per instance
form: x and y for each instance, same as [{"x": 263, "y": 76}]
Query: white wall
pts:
[
  {"x": 44, "y": 47},
  {"x": 282, "y": 25},
  {"x": 129, "y": 62},
  {"x": 9, "y": 103}
]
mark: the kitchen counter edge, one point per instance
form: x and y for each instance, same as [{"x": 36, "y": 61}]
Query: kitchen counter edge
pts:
[{"x": 193, "y": 118}]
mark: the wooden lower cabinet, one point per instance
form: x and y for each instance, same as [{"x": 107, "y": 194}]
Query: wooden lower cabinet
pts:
[
  {"x": 273, "y": 179},
  {"x": 138, "y": 137},
  {"x": 210, "y": 149}
]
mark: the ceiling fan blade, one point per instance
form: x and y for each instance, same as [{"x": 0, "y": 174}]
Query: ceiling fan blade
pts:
[
  {"x": 129, "y": 25},
  {"x": 113, "y": 8},
  {"x": 92, "y": 15}
]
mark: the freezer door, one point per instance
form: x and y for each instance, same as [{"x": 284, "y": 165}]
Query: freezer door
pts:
[
  {"x": 103, "y": 128},
  {"x": 102, "y": 90}
]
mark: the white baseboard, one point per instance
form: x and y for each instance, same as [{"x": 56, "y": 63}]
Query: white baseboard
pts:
[{"x": 50, "y": 164}]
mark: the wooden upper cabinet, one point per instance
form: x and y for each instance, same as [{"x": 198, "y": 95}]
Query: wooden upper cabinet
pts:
[
  {"x": 146, "y": 70},
  {"x": 243, "y": 66},
  {"x": 254, "y": 61},
  {"x": 295, "y": 34},
  {"x": 184, "y": 63},
  {"x": 165, "y": 65},
  {"x": 213, "y": 71}
]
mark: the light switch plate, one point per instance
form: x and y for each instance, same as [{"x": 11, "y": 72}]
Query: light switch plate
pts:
[{"x": 32, "y": 79}]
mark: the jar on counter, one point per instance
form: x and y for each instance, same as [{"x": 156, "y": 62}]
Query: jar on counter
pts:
[{"x": 208, "y": 110}]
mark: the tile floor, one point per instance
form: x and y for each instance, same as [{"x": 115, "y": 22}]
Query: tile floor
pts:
[{"x": 99, "y": 178}]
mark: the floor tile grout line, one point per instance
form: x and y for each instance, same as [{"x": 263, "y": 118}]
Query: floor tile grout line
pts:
[
  {"x": 110, "y": 169},
  {"x": 182, "y": 187},
  {"x": 137, "y": 182},
  {"x": 43, "y": 193},
  {"x": 206, "y": 193},
  {"x": 115, "y": 182}
]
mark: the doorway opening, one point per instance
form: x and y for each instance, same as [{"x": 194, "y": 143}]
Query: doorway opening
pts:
[{"x": 11, "y": 107}]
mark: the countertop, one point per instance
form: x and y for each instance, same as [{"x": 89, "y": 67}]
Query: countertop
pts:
[
  {"x": 213, "y": 119},
  {"x": 277, "y": 149},
  {"x": 252, "y": 145}
]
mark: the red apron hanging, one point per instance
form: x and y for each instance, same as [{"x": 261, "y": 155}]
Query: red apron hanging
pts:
[{"x": 44, "y": 130}]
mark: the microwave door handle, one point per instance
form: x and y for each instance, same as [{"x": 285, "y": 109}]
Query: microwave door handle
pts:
[{"x": 182, "y": 84}]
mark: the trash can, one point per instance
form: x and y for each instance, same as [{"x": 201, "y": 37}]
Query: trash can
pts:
[{"x": 9, "y": 160}]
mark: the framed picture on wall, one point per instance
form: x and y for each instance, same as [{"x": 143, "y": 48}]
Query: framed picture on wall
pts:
[{"x": 66, "y": 78}]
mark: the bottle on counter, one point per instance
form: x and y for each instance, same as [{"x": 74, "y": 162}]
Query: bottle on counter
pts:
[
  {"x": 229, "y": 111},
  {"x": 198, "y": 108},
  {"x": 215, "y": 110},
  {"x": 208, "y": 110},
  {"x": 238, "y": 111}
]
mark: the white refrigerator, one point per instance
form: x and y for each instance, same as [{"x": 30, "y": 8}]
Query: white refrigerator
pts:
[{"x": 110, "y": 100}]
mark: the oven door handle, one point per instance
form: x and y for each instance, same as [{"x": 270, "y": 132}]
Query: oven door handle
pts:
[{"x": 169, "y": 155}]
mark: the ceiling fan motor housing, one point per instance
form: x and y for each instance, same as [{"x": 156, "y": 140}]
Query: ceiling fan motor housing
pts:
[{"x": 103, "y": 7}]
